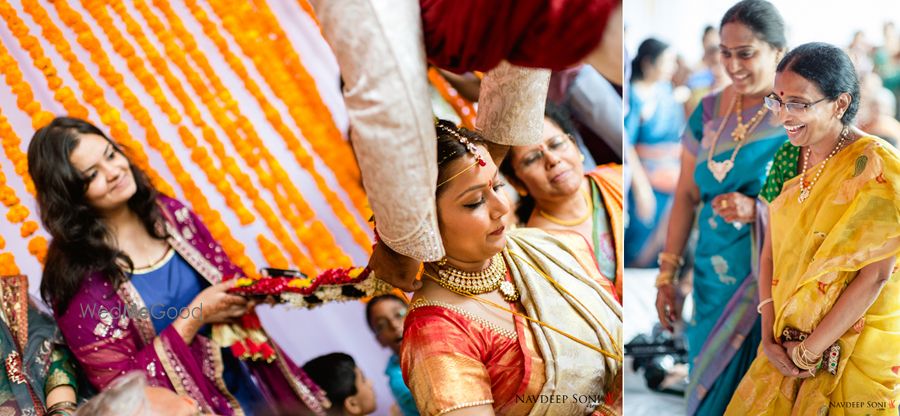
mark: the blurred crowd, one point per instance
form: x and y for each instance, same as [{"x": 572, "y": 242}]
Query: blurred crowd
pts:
[{"x": 664, "y": 91}]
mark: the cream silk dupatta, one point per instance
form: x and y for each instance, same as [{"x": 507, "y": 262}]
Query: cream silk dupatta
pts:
[
  {"x": 587, "y": 312},
  {"x": 851, "y": 219}
]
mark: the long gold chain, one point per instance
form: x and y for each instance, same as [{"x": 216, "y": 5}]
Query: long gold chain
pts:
[
  {"x": 576, "y": 221},
  {"x": 720, "y": 170},
  {"x": 805, "y": 188},
  {"x": 741, "y": 130},
  {"x": 562, "y": 289}
]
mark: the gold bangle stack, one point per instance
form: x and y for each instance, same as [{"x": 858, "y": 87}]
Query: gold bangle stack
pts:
[
  {"x": 670, "y": 258},
  {"x": 804, "y": 359},
  {"x": 668, "y": 277},
  {"x": 665, "y": 278}
]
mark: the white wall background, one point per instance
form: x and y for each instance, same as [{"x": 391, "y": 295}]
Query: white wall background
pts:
[{"x": 680, "y": 22}]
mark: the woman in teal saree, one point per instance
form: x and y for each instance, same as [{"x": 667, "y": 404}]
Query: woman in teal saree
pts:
[{"x": 728, "y": 147}]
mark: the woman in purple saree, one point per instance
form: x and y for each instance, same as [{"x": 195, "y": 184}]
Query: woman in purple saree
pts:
[{"x": 135, "y": 280}]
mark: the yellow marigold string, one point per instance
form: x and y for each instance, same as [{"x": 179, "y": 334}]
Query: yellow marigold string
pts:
[
  {"x": 323, "y": 248},
  {"x": 11, "y": 142},
  {"x": 28, "y": 228},
  {"x": 278, "y": 44},
  {"x": 92, "y": 93},
  {"x": 137, "y": 65},
  {"x": 272, "y": 115},
  {"x": 8, "y": 265},
  {"x": 273, "y": 255},
  {"x": 37, "y": 246},
  {"x": 17, "y": 213},
  {"x": 302, "y": 99},
  {"x": 463, "y": 108},
  {"x": 220, "y": 92},
  {"x": 308, "y": 9},
  {"x": 211, "y": 217}
]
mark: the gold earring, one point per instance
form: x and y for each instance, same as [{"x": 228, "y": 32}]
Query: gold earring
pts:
[
  {"x": 582, "y": 156},
  {"x": 523, "y": 193},
  {"x": 442, "y": 262}
]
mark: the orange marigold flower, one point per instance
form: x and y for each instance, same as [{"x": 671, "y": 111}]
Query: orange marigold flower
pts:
[
  {"x": 8, "y": 196},
  {"x": 28, "y": 228},
  {"x": 8, "y": 265},
  {"x": 37, "y": 246},
  {"x": 17, "y": 214}
]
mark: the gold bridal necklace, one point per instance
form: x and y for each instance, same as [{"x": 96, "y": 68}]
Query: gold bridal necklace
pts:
[
  {"x": 616, "y": 355},
  {"x": 480, "y": 282},
  {"x": 741, "y": 131},
  {"x": 805, "y": 188},
  {"x": 576, "y": 221}
]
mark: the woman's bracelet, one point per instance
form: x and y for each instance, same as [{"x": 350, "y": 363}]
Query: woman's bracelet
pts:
[
  {"x": 763, "y": 303},
  {"x": 664, "y": 278},
  {"x": 808, "y": 355},
  {"x": 798, "y": 356},
  {"x": 64, "y": 408},
  {"x": 670, "y": 258}
]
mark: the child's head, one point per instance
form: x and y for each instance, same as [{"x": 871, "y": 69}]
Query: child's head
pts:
[
  {"x": 385, "y": 314},
  {"x": 349, "y": 391}
]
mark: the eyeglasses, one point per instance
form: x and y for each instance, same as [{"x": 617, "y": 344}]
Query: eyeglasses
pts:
[
  {"x": 555, "y": 144},
  {"x": 774, "y": 104}
]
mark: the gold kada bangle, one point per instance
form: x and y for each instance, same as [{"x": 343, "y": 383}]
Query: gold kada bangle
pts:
[
  {"x": 670, "y": 258},
  {"x": 664, "y": 278}
]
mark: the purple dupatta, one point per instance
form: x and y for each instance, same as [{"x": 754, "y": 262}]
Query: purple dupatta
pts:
[{"x": 110, "y": 334}]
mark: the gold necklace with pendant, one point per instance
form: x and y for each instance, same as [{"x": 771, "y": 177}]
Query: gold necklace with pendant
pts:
[
  {"x": 720, "y": 170},
  {"x": 485, "y": 281},
  {"x": 741, "y": 130}
]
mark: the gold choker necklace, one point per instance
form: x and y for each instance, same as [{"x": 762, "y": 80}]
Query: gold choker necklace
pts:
[{"x": 477, "y": 283}]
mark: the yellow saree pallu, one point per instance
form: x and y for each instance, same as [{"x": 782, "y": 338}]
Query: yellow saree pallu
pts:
[{"x": 850, "y": 220}]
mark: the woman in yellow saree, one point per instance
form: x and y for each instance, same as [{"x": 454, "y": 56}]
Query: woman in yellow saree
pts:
[
  {"x": 830, "y": 293},
  {"x": 509, "y": 323}
]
